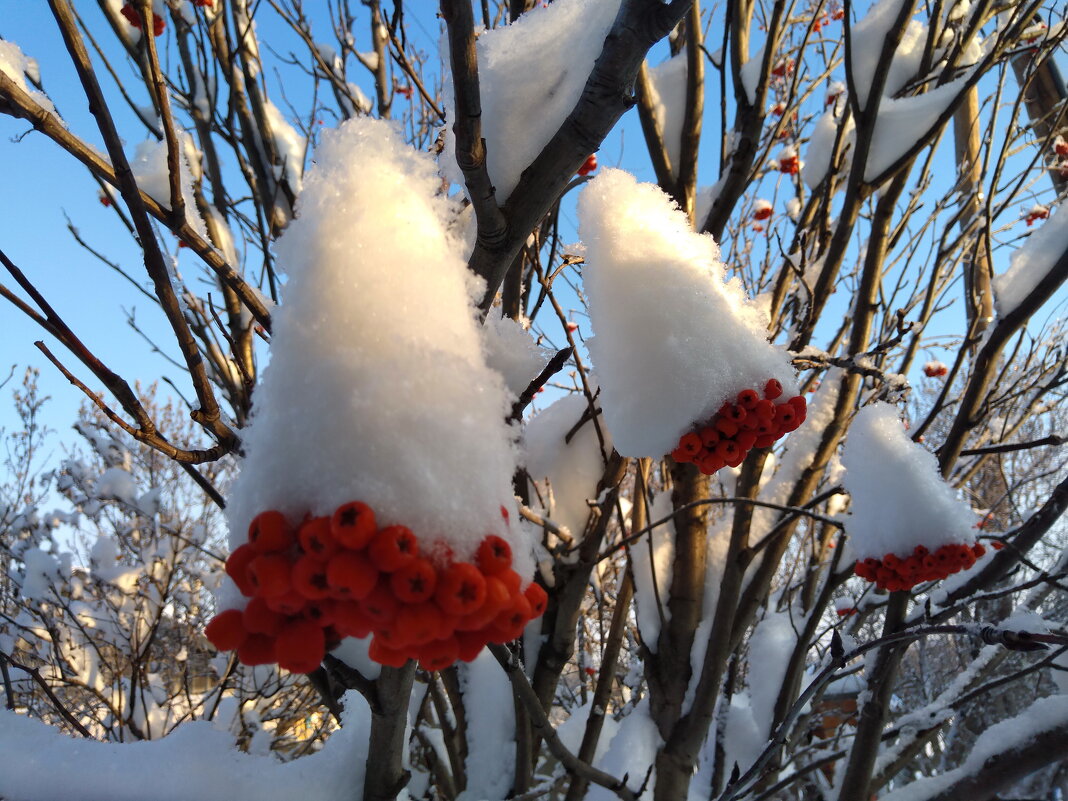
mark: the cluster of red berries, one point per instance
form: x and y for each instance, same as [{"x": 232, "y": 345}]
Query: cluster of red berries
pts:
[
  {"x": 158, "y": 22},
  {"x": 589, "y": 165},
  {"x": 903, "y": 573},
  {"x": 935, "y": 369},
  {"x": 343, "y": 576},
  {"x": 1037, "y": 212},
  {"x": 751, "y": 422}
]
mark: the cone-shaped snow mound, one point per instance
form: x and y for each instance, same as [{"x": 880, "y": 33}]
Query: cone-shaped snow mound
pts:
[
  {"x": 377, "y": 389},
  {"x": 673, "y": 341}
]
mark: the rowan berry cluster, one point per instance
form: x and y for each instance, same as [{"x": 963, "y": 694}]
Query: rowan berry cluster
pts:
[
  {"x": 903, "y": 573},
  {"x": 134, "y": 18},
  {"x": 737, "y": 428},
  {"x": 589, "y": 165},
  {"x": 343, "y": 576}
]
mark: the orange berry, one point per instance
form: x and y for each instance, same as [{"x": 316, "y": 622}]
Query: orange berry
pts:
[
  {"x": 690, "y": 443},
  {"x": 269, "y": 532},
  {"x": 353, "y": 525},
  {"x": 461, "y": 589},
  {"x": 384, "y": 655},
  {"x": 380, "y": 607},
  {"x": 494, "y": 555},
  {"x": 316, "y": 539},
  {"x": 748, "y": 399},
  {"x": 321, "y": 613},
  {"x": 300, "y": 646},
  {"x": 257, "y": 649},
  {"x": 350, "y": 620},
  {"x": 351, "y": 575},
  {"x": 309, "y": 578},
  {"x": 537, "y": 598},
  {"x": 439, "y": 654},
  {"x": 237, "y": 569},
  {"x": 270, "y": 575},
  {"x": 226, "y": 630},
  {"x": 292, "y": 603},
  {"x": 392, "y": 548},
  {"x": 414, "y": 582},
  {"x": 513, "y": 619},
  {"x": 497, "y": 598},
  {"x": 259, "y": 618},
  {"x": 421, "y": 623}
]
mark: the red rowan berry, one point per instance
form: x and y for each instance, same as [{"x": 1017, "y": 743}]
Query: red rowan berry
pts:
[
  {"x": 690, "y": 443},
  {"x": 470, "y": 645},
  {"x": 270, "y": 575},
  {"x": 259, "y": 618},
  {"x": 772, "y": 389},
  {"x": 439, "y": 654},
  {"x": 353, "y": 525},
  {"x": 321, "y": 612},
  {"x": 461, "y": 589},
  {"x": 537, "y": 598},
  {"x": 309, "y": 578},
  {"x": 351, "y": 575},
  {"x": 316, "y": 539},
  {"x": 291, "y": 603},
  {"x": 384, "y": 655},
  {"x": 300, "y": 646},
  {"x": 380, "y": 607},
  {"x": 748, "y": 399},
  {"x": 226, "y": 630},
  {"x": 269, "y": 532},
  {"x": 350, "y": 620},
  {"x": 494, "y": 555},
  {"x": 257, "y": 649},
  {"x": 589, "y": 165},
  {"x": 420, "y": 623},
  {"x": 237, "y": 568},
  {"x": 392, "y": 548},
  {"x": 414, "y": 582}
]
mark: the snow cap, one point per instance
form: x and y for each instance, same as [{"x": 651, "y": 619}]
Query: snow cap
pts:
[
  {"x": 377, "y": 389},
  {"x": 674, "y": 340},
  {"x": 899, "y": 499}
]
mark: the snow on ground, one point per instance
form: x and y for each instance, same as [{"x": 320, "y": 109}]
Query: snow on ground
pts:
[
  {"x": 531, "y": 75},
  {"x": 672, "y": 340},
  {"x": 899, "y": 499},
  {"x": 197, "y": 760},
  {"x": 1031, "y": 262},
  {"x": 377, "y": 389}
]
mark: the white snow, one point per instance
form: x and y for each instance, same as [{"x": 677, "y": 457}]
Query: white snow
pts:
[
  {"x": 531, "y": 75},
  {"x": 899, "y": 499},
  {"x": 490, "y": 714},
  {"x": 149, "y": 166},
  {"x": 631, "y": 752},
  {"x": 116, "y": 483},
  {"x": 770, "y": 647},
  {"x": 904, "y": 121},
  {"x": 566, "y": 472},
  {"x": 1043, "y": 715},
  {"x": 750, "y": 74},
  {"x": 376, "y": 320},
  {"x": 867, "y": 45},
  {"x": 820, "y": 146},
  {"x": 672, "y": 340},
  {"x": 668, "y": 82},
  {"x": 289, "y": 145},
  {"x": 1031, "y": 262},
  {"x": 195, "y": 761},
  {"x": 16, "y": 65},
  {"x": 652, "y": 558},
  {"x": 512, "y": 351}
]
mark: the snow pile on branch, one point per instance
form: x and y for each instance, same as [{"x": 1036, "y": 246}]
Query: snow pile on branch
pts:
[
  {"x": 899, "y": 499},
  {"x": 531, "y": 75},
  {"x": 668, "y": 82},
  {"x": 652, "y": 558},
  {"x": 149, "y": 166},
  {"x": 674, "y": 341},
  {"x": 565, "y": 472},
  {"x": 16, "y": 65},
  {"x": 512, "y": 352},
  {"x": 821, "y": 146},
  {"x": 1032, "y": 262},
  {"x": 868, "y": 38},
  {"x": 377, "y": 389},
  {"x": 289, "y": 145}
]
